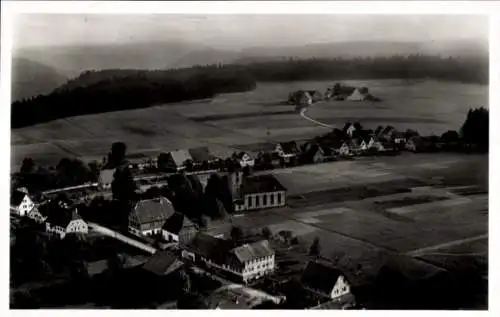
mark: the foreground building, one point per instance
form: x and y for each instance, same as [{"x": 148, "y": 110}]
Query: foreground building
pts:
[
  {"x": 258, "y": 192},
  {"x": 62, "y": 221},
  {"x": 244, "y": 263},
  {"x": 179, "y": 228},
  {"x": 147, "y": 217},
  {"x": 325, "y": 281}
]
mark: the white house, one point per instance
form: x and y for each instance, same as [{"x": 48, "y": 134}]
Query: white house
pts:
[
  {"x": 20, "y": 202},
  {"x": 244, "y": 159},
  {"x": 325, "y": 281},
  {"x": 148, "y": 216},
  {"x": 64, "y": 221},
  {"x": 36, "y": 215},
  {"x": 259, "y": 192},
  {"x": 106, "y": 177},
  {"x": 356, "y": 96}
]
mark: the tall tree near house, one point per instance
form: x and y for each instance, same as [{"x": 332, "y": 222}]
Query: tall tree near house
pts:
[
  {"x": 93, "y": 168},
  {"x": 28, "y": 165},
  {"x": 266, "y": 232},
  {"x": 236, "y": 234},
  {"x": 123, "y": 185},
  {"x": 475, "y": 129},
  {"x": 315, "y": 248},
  {"x": 450, "y": 136},
  {"x": 378, "y": 130},
  {"x": 117, "y": 155}
]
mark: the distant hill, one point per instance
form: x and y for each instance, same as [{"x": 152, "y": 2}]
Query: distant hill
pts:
[
  {"x": 31, "y": 78},
  {"x": 73, "y": 60}
]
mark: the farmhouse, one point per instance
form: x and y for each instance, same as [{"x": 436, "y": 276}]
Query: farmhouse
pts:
[
  {"x": 20, "y": 202},
  {"x": 244, "y": 159},
  {"x": 243, "y": 263},
  {"x": 287, "y": 150},
  {"x": 356, "y": 95},
  {"x": 325, "y": 281},
  {"x": 106, "y": 177},
  {"x": 259, "y": 192},
  {"x": 62, "y": 221},
  {"x": 340, "y": 147},
  {"x": 162, "y": 263},
  {"x": 37, "y": 215},
  {"x": 175, "y": 160},
  {"x": 387, "y": 133},
  {"x": 178, "y": 228},
  {"x": 349, "y": 129},
  {"x": 300, "y": 98},
  {"x": 315, "y": 153},
  {"x": 315, "y": 95},
  {"x": 148, "y": 216},
  {"x": 140, "y": 161}
]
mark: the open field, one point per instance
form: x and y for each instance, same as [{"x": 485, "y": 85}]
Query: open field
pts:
[{"x": 232, "y": 120}]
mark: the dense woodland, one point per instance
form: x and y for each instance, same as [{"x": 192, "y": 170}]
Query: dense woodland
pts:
[{"x": 119, "y": 89}]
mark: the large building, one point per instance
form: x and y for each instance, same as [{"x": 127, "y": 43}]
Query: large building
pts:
[
  {"x": 256, "y": 192},
  {"x": 325, "y": 281},
  {"x": 243, "y": 263},
  {"x": 148, "y": 216},
  {"x": 62, "y": 221},
  {"x": 20, "y": 202},
  {"x": 179, "y": 228}
]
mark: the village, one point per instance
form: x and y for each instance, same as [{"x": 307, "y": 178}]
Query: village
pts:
[{"x": 167, "y": 209}]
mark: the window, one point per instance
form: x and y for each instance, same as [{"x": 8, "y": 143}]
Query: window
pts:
[
  {"x": 264, "y": 200},
  {"x": 279, "y": 198},
  {"x": 272, "y": 199},
  {"x": 249, "y": 201},
  {"x": 257, "y": 201}
]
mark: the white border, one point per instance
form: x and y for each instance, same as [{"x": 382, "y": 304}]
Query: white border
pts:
[{"x": 490, "y": 8}]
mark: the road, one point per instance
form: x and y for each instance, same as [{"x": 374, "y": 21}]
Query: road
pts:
[
  {"x": 321, "y": 124},
  {"x": 423, "y": 251}
]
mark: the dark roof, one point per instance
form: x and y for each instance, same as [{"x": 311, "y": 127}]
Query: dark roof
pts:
[
  {"x": 289, "y": 147},
  {"x": 16, "y": 198},
  {"x": 200, "y": 154},
  {"x": 175, "y": 223},
  {"x": 249, "y": 252},
  {"x": 62, "y": 217},
  {"x": 157, "y": 209},
  {"x": 261, "y": 184},
  {"x": 180, "y": 157},
  {"x": 320, "y": 277},
  {"x": 210, "y": 247},
  {"x": 162, "y": 263}
]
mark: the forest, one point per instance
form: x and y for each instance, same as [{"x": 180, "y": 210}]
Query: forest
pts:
[{"x": 97, "y": 91}]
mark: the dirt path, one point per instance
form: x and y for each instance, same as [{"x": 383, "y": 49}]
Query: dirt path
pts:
[
  {"x": 321, "y": 124},
  {"x": 422, "y": 251}
]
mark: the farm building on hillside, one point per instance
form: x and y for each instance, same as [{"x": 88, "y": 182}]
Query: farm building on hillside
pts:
[
  {"x": 106, "y": 177},
  {"x": 244, "y": 159},
  {"x": 259, "y": 192},
  {"x": 20, "y": 202},
  {"x": 356, "y": 96},
  {"x": 174, "y": 160},
  {"x": 315, "y": 96},
  {"x": 300, "y": 98},
  {"x": 287, "y": 150},
  {"x": 178, "y": 228},
  {"x": 162, "y": 263},
  {"x": 62, "y": 221},
  {"x": 148, "y": 216},
  {"x": 38, "y": 215},
  {"x": 325, "y": 281},
  {"x": 140, "y": 161}
]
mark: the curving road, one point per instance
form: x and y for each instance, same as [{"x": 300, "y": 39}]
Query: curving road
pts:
[{"x": 321, "y": 124}]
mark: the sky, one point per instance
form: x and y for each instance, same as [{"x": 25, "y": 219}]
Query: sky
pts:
[{"x": 238, "y": 31}]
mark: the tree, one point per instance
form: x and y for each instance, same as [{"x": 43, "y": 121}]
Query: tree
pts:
[
  {"x": 475, "y": 129},
  {"x": 123, "y": 185},
  {"x": 236, "y": 234},
  {"x": 266, "y": 232},
  {"x": 28, "y": 165},
  {"x": 185, "y": 282},
  {"x": 117, "y": 155},
  {"x": 315, "y": 248},
  {"x": 450, "y": 136}
]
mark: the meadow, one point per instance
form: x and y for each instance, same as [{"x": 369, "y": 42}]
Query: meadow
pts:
[{"x": 230, "y": 121}]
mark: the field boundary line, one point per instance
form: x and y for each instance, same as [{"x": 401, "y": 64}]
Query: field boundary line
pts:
[{"x": 422, "y": 251}]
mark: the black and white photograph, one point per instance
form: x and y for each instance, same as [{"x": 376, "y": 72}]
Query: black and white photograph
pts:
[{"x": 231, "y": 160}]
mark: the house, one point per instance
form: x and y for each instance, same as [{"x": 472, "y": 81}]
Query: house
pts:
[
  {"x": 315, "y": 153},
  {"x": 140, "y": 161},
  {"x": 162, "y": 263},
  {"x": 243, "y": 263},
  {"x": 201, "y": 155},
  {"x": 340, "y": 147},
  {"x": 387, "y": 133},
  {"x": 287, "y": 150},
  {"x": 356, "y": 96},
  {"x": 244, "y": 159},
  {"x": 315, "y": 95},
  {"x": 399, "y": 137},
  {"x": 259, "y": 192},
  {"x": 20, "y": 202},
  {"x": 148, "y": 216},
  {"x": 300, "y": 98},
  {"x": 417, "y": 144},
  {"x": 106, "y": 177},
  {"x": 178, "y": 228},
  {"x": 62, "y": 221},
  {"x": 236, "y": 296},
  {"x": 349, "y": 129},
  {"x": 325, "y": 281},
  {"x": 175, "y": 160},
  {"x": 38, "y": 215}
]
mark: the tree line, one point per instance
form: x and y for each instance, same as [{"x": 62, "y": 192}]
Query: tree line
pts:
[{"x": 97, "y": 91}]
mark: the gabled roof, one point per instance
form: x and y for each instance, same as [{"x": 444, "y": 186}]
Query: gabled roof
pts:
[
  {"x": 180, "y": 157},
  {"x": 289, "y": 147},
  {"x": 106, "y": 175},
  {"x": 162, "y": 263},
  {"x": 62, "y": 217},
  {"x": 320, "y": 277},
  {"x": 261, "y": 184},
  {"x": 241, "y": 154},
  {"x": 16, "y": 198},
  {"x": 137, "y": 158},
  {"x": 256, "y": 250},
  {"x": 387, "y": 129},
  {"x": 177, "y": 222},
  {"x": 210, "y": 247},
  {"x": 200, "y": 154},
  {"x": 157, "y": 209}
]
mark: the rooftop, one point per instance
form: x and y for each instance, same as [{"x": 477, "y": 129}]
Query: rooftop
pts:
[
  {"x": 178, "y": 221},
  {"x": 320, "y": 277},
  {"x": 256, "y": 250},
  {"x": 157, "y": 209},
  {"x": 261, "y": 184},
  {"x": 162, "y": 263}
]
